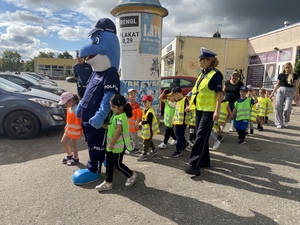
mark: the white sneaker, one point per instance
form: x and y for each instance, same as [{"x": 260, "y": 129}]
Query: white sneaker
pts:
[
  {"x": 232, "y": 129},
  {"x": 104, "y": 186},
  {"x": 162, "y": 145},
  {"x": 278, "y": 126},
  {"x": 130, "y": 181},
  {"x": 285, "y": 124},
  {"x": 216, "y": 145},
  {"x": 222, "y": 128},
  {"x": 173, "y": 142}
]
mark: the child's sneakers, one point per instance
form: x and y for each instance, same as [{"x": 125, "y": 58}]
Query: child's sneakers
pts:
[
  {"x": 130, "y": 181},
  {"x": 176, "y": 154},
  {"x": 162, "y": 145},
  {"x": 73, "y": 162},
  {"x": 134, "y": 151},
  {"x": 173, "y": 142},
  {"x": 142, "y": 157},
  {"x": 220, "y": 138},
  {"x": 216, "y": 145},
  {"x": 104, "y": 186},
  {"x": 153, "y": 152},
  {"x": 242, "y": 142},
  {"x": 66, "y": 159}
]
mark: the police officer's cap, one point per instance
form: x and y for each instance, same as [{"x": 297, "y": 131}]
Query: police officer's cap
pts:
[
  {"x": 104, "y": 24},
  {"x": 206, "y": 53}
]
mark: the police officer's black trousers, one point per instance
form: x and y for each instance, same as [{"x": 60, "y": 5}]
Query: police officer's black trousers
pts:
[{"x": 200, "y": 151}]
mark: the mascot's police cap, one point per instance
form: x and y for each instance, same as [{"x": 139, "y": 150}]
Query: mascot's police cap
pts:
[
  {"x": 206, "y": 53},
  {"x": 104, "y": 24}
]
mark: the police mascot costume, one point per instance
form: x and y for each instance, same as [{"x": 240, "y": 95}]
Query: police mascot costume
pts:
[{"x": 103, "y": 54}]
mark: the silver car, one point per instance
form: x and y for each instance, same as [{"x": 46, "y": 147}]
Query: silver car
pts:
[
  {"x": 26, "y": 112},
  {"x": 28, "y": 82}
]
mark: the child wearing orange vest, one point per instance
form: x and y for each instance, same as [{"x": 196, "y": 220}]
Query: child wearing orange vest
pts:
[
  {"x": 134, "y": 120},
  {"x": 73, "y": 128}
]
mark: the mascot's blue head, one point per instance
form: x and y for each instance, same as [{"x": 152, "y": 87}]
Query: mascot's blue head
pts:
[{"x": 104, "y": 50}]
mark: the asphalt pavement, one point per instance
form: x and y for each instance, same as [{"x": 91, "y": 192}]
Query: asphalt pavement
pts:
[{"x": 256, "y": 183}]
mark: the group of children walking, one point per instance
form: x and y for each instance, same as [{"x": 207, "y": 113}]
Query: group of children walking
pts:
[{"x": 128, "y": 119}]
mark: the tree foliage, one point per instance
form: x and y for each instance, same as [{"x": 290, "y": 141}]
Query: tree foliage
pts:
[
  {"x": 65, "y": 55},
  {"x": 28, "y": 65},
  {"x": 297, "y": 68},
  {"x": 11, "y": 61},
  {"x": 46, "y": 55}
]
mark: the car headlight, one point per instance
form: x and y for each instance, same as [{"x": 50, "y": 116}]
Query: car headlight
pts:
[
  {"x": 45, "y": 102},
  {"x": 59, "y": 91}
]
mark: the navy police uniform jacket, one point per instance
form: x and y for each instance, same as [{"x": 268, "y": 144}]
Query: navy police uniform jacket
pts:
[
  {"x": 82, "y": 72},
  {"x": 98, "y": 84}
]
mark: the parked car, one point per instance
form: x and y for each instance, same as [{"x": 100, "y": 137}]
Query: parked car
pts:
[
  {"x": 28, "y": 82},
  {"x": 42, "y": 80},
  {"x": 25, "y": 112},
  {"x": 71, "y": 79},
  {"x": 186, "y": 83}
]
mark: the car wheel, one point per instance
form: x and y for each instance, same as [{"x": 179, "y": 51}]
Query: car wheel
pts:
[{"x": 21, "y": 125}]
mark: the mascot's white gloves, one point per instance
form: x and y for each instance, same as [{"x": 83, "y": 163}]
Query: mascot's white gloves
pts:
[
  {"x": 97, "y": 120},
  {"x": 78, "y": 110}
]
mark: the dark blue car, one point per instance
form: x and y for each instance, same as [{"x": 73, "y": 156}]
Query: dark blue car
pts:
[{"x": 26, "y": 112}]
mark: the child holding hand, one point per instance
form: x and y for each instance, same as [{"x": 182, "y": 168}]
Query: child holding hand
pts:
[{"x": 118, "y": 140}]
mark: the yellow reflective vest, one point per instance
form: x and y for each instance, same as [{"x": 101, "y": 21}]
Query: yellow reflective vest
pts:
[
  {"x": 204, "y": 98},
  {"x": 223, "y": 112},
  {"x": 243, "y": 109},
  {"x": 147, "y": 130},
  {"x": 124, "y": 140},
  {"x": 180, "y": 116}
]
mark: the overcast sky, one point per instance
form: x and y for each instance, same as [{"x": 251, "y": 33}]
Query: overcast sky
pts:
[{"x": 30, "y": 26}]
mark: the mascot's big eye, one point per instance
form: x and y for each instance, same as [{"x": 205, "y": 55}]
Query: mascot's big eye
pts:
[{"x": 96, "y": 41}]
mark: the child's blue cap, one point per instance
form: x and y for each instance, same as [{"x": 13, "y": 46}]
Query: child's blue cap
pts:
[{"x": 244, "y": 88}]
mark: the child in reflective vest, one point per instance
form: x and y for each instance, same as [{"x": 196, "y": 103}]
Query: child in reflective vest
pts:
[
  {"x": 181, "y": 119},
  {"x": 192, "y": 125},
  {"x": 270, "y": 106},
  {"x": 253, "y": 115},
  {"x": 134, "y": 120},
  {"x": 149, "y": 128},
  {"x": 169, "y": 111},
  {"x": 262, "y": 108},
  {"x": 225, "y": 112},
  {"x": 118, "y": 140},
  {"x": 73, "y": 128},
  {"x": 242, "y": 113}
]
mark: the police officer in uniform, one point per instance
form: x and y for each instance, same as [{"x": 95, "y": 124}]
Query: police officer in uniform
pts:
[
  {"x": 206, "y": 98},
  {"x": 82, "y": 72}
]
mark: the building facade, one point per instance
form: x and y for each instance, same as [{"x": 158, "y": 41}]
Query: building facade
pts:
[
  {"x": 181, "y": 56},
  {"x": 267, "y": 53},
  {"x": 55, "y": 68},
  {"x": 259, "y": 58}
]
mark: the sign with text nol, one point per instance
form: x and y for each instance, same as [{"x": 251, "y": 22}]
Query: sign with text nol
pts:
[{"x": 129, "y": 21}]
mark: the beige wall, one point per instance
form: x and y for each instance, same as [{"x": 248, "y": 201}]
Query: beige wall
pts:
[
  {"x": 282, "y": 38},
  {"x": 55, "y": 67},
  {"x": 231, "y": 54}
]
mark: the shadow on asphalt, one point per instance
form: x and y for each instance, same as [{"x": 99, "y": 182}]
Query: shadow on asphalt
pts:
[
  {"x": 177, "y": 208},
  {"x": 227, "y": 169}
]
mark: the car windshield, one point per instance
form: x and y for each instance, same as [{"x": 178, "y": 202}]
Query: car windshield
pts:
[
  {"x": 31, "y": 79},
  {"x": 10, "y": 86}
]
